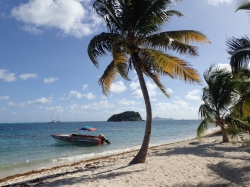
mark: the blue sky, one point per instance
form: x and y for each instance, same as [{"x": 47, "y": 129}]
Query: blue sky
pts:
[{"x": 45, "y": 68}]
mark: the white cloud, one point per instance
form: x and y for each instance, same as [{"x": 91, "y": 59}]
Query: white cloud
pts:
[
  {"x": 6, "y": 76},
  {"x": 76, "y": 94},
  {"x": 179, "y": 110},
  {"x": 25, "y": 104},
  {"x": 5, "y": 97},
  {"x": 89, "y": 96},
  {"x": 103, "y": 104},
  {"x": 21, "y": 105},
  {"x": 42, "y": 100},
  {"x": 56, "y": 109},
  {"x": 11, "y": 104},
  {"x": 193, "y": 95},
  {"x": 85, "y": 86},
  {"x": 224, "y": 66},
  {"x": 50, "y": 80},
  {"x": 31, "y": 29},
  {"x": 217, "y": 2},
  {"x": 169, "y": 90},
  {"x": 138, "y": 93},
  {"x": 73, "y": 107},
  {"x": 3, "y": 109},
  {"x": 117, "y": 87},
  {"x": 134, "y": 85},
  {"x": 151, "y": 88},
  {"x": 127, "y": 102},
  {"x": 27, "y": 76},
  {"x": 80, "y": 95},
  {"x": 70, "y": 16}
]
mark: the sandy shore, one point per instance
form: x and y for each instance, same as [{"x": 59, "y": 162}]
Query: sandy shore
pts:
[{"x": 187, "y": 163}]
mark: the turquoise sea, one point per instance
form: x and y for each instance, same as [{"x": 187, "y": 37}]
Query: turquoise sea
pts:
[{"x": 29, "y": 146}]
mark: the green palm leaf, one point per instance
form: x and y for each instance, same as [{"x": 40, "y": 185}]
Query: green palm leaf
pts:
[
  {"x": 177, "y": 68},
  {"x": 203, "y": 127},
  {"x": 100, "y": 45},
  {"x": 236, "y": 124},
  {"x": 244, "y": 6},
  {"x": 239, "y": 49},
  {"x": 108, "y": 77}
]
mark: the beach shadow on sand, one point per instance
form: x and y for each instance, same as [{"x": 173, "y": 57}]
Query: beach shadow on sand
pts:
[
  {"x": 236, "y": 175},
  {"x": 81, "y": 177}
]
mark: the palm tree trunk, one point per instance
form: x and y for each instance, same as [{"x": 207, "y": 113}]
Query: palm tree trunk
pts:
[
  {"x": 224, "y": 134},
  {"x": 142, "y": 154}
]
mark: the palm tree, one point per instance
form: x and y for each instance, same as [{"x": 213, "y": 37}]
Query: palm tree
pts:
[
  {"x": 134, "y": 40},
  {"x": 222, "y": 102}
]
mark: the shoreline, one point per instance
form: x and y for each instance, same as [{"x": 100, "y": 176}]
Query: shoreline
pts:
[
  {"x": 194, "y": 162},
  {"x": 83, "y": 161}
]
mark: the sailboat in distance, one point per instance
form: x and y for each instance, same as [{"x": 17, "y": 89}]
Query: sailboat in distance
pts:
[
  {"x": 58, "y": 121},
  {"x": 52, "y": 121}
]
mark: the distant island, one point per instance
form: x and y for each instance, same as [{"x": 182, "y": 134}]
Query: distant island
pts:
[
  {"x": 125, "y": 116},
  {"x": 160, "y": 119}
]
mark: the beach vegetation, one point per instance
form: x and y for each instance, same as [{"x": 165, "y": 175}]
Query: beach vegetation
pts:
[
  {"x": 225, "y": 102},
  {"x": 135, "y": 41}
]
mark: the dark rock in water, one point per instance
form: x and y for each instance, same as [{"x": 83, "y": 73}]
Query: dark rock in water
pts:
[{"x": 126, "y": 116}]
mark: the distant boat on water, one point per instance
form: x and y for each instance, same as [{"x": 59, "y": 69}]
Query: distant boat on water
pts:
[
  {"x": 54, "y": 121},
  {"x": 58, "y": 121}
]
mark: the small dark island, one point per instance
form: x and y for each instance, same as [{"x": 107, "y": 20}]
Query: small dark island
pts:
[{"x": 125, "y": 116}]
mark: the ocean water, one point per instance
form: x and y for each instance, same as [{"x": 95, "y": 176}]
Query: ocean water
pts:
[{"x": 29, "y": 146}]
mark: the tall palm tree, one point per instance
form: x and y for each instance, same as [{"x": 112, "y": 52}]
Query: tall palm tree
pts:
[
  {"x": 222, "y": 102},
  {"x": 135, "y": 42}
]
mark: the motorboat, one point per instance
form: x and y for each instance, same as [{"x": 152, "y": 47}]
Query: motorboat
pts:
[{"x": 81, "y": 138}]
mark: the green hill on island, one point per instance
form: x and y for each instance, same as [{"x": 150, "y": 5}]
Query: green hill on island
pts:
[{"x": 126, "y": 116}]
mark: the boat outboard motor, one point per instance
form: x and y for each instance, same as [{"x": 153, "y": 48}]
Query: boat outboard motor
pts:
[
  {"x": 102, "y": 137},
  {"x": 107, "y": 141}
]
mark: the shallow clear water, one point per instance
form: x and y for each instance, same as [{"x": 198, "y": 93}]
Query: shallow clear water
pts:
[{"x": 28, "y": 146}]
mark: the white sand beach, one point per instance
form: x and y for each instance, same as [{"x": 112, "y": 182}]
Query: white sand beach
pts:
[{"x": 206, "y": 162}]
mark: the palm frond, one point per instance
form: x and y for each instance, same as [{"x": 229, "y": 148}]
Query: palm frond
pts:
[
  {"x": 108, "y": 77},
  {"x": 163, "y": 42},
  {"x": 108, "y": 11},
  {"x": 186, "y": 36},
  {"x": 237, "y": 124},
  {"x": 203, "y": 127},
  {"x": 120, "y": 64},
  {"x": 175, "y": 67},
  {"x": 149, "y": 16},
  {"x": 243, "y": 106},
  {"x": 206, "y": 111},
  {"x": 156, "y": 80},
  {"x": 244, "y": 6},
  {"x": 99, "y": 45},
  {"x": 239, "y": 49}
]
